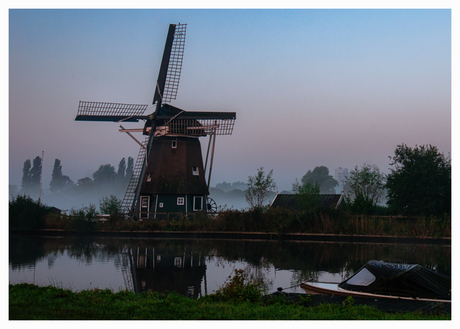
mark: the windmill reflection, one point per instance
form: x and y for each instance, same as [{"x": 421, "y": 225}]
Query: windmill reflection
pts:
[{"x": 171, "y": 268}]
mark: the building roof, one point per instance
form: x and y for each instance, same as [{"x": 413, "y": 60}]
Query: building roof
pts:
[{"x": 289, "y": 200}]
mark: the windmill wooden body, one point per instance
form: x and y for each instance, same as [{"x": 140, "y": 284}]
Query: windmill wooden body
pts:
[{"x": 169, "y": 174}]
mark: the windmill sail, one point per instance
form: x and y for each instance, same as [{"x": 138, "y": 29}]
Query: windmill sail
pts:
[
  {"x": 171, "y": 65},
  {"x": 100, "y": 111}
]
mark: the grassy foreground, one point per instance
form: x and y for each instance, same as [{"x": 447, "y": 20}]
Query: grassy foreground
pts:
[{"x": 30, "y": 302}]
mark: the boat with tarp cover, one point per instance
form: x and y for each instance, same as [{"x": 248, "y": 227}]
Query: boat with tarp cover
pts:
[{"x": 388, "y": 280}]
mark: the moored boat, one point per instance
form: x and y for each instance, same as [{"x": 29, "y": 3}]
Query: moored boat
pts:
[{"x": 388, "y": 280}]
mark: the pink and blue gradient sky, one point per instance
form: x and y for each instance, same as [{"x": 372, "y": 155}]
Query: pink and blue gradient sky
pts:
[{"x": 311, "y": 87}]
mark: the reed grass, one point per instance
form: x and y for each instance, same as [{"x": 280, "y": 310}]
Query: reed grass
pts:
[{"x": 269, "y": 220}]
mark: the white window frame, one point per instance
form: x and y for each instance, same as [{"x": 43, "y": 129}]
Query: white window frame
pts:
[
  {"x": 195, "y": 171},
  {"x": 144, "y": 198},
  {"x": 178, "y": 262},
  {"x": 180, "y": 201},
  {"x": 174, "y": 144}
]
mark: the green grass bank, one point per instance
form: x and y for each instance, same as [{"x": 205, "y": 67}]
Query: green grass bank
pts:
[{"x": 30, "y": 302}]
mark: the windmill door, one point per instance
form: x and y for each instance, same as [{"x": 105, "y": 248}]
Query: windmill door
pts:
[{"x": 145, "y": 207}]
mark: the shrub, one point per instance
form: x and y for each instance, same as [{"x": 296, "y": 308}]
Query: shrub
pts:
[
  {"x": 83, "y": 219},
  {"x": 240, "y": 288},
  {"x": 110, "y": 205},
  {"x": 26, "y": 214}
]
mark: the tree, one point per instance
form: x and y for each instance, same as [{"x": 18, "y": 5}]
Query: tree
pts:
[
  {"x": 68, "y": 183},
  {"x": 84, "y": 185},
  {"x": 104, "y": 176},
  {"x": 320, "y": 175},
  {"x": 110, "y": 205},
  {"x": 420, "y": 182},
  {"x": 366, "y": 183},
  {"x": 25, "y": 186},
  {"x": 129, "y": 168},
  {"x": 224, "y": 186},
  {"x": 35, "y": 174},
  {"x": 259, "y": 187},
  {"x": 307, "y": 196},
  {"x": 121, "y": 170},
  {"x": 56, "y": 183}
]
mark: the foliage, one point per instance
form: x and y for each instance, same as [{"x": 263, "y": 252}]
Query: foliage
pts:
[
  {"x": 226, "y": 187},
  {"x": 104, "y": 176},
  {"x": 35, "y": 172},
  {"x": 420, "y": 182},
  {"x": 84, "y": 185},
  {"x": 26, "y": 214},
  {"x": 121, "y": 170},
  {"x": 129, "y": 168},
  {"x": 320, "y": 175},
  {"x": 307, "y": 196},
  {"x": 366, "y": 183},
  {"x": 56, "y": 183},
  {"x": 259, "y": 187},
  {"x": 83, "y": 219},
  {"x": 30, "y": 302},
  {"x": 110, "y": 205},
  {"x": 271, "y": 220},
  {"x": 59, "y": 182},
  {"x": 361, "y": 205},
  {"x": 240, "y": 288},
  {"x": 26, "y": 176}
]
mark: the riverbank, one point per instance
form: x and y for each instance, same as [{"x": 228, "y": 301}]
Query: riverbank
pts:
[
  {"x": 30, "y": 302},
  {"x": 312, "y": 237}
]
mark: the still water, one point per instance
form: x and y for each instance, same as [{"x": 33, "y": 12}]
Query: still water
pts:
[{"x": 199, "y": 266}]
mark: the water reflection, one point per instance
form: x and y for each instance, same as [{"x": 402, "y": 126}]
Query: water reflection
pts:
[{"x": 198, "y": 267}]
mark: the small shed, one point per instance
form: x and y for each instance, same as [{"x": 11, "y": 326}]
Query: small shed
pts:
[
  {"x": 54, "y": 210},
  {"x": 289, "y": 201}
]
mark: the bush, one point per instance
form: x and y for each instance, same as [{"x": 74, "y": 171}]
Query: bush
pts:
[
  {"x": 83, "y": 219},
  {"x": 362, "y": 205},
  {"x": 26, "y": 214},
  {"x": 110, "y": 205},
  {"x": 240, "y": 288}
]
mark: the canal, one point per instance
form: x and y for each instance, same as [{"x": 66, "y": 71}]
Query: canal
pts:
[{"x": 197, "y": 267}]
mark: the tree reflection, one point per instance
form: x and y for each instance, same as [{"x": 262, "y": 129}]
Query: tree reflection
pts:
[{"x": 259, "y": 259}]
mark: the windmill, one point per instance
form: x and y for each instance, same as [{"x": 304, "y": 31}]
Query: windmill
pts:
[{"x": 169, "y": 175}]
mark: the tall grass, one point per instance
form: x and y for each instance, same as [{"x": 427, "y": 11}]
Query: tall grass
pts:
[{"x": 28, "y": 214}]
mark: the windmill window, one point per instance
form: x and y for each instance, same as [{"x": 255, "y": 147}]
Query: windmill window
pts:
[
  {"x": 197, "y": 203},
  {"x": 195, "y": 171},
  {"x": 144, "y": 201},
  {"x": 177, "y": 261},
  {"x": 161, "y": 205},
  {"x": 174, "y": 144},
  {"x": 149, "y": 177},
  {"x": 180, "y": 201}
]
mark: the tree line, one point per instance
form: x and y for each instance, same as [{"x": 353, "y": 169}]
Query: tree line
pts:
[
  {"x": 105, "y": 178},
  {"x": 419, "y": 184}
]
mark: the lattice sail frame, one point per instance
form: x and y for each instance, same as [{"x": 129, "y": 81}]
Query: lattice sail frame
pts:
[
  {"x": 197, "y": 127},
  {"x": 101, "y": 111},
  {"x": 175, "y": 64}
]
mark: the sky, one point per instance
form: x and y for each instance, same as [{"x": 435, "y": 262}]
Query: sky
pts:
[{"x": 310, "y": 87}]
